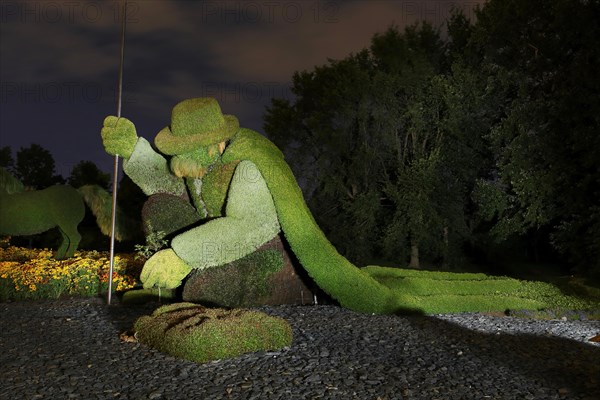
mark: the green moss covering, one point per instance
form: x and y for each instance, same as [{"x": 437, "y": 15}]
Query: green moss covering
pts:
[
  {"x": 195, "y": 123},
  {"x": 119, "y": 136},
  {"x": 196, "y": 163},
  {"x": 164, "y": 270},
  {"x": 150, "y": 171},
  {"x": 339, "y": 278},
  {"x": 215, "y": 186},
  {"x": 168, "y": 214},
  {"x": 263, "y": 196},
  {"x": 443, "y": 292},
  {"x": 251, "y": 221},
  {"x": 32, "y": 212},
  {"x": 196, "y": 333},
  {"x": 241, "y": 283}
]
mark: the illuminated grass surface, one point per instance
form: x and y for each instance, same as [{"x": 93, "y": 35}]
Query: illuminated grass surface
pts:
[
  {"x": 35, "y": 274},
  {"x": 434, "y": 292},
  {"x": 200, "y": 334}
]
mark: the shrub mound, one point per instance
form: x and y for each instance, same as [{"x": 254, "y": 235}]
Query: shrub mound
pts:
[
  {"x": 201, "y": 334},
  {"x": 266, "y": 276}
]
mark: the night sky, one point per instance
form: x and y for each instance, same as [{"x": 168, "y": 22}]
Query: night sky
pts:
[{"x": 59, "y": 60}]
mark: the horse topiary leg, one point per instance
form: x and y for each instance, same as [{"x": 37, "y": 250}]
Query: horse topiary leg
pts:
[
  {"x": 64, "y": 245},
  {"x": 71, "y": 239}
]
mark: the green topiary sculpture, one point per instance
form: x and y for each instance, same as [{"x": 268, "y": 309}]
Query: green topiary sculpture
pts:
[
  {"x": 218, "y": 167},
  {"x": 200, "y": 334},
  {"x": 167, "y": 214},
  {"x": 31, "y": 212},
  {"x": 241, "y": 283}
]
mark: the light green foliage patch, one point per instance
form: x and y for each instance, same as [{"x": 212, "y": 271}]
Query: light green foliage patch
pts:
[
  {"x": 8, "y": 183},
  {"x": 150, "y": 171},
  {"x": 443, "y": 292},
  {"x": 164, "y": 270},
  {"x": 196, "y": 333},
  {"x": 215, "y": 187},
  {"x": 119, "y": 136},
  {"x": 251, "y": 221}
]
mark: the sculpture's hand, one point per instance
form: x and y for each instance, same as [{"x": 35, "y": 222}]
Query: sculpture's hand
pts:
[
  {"x": 164, "y": 270},
  {"x": 118, "y": 136}
]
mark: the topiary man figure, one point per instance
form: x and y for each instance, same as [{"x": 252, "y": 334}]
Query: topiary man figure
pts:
[
  {"x": 233, "y": 192},
  {"x": 224, "y": 191}
]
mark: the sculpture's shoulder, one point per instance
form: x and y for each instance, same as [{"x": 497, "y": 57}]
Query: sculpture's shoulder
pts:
[{"x": 251, "y": 145}]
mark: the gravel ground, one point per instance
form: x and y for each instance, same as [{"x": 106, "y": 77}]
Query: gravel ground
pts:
[{"x": 71, "y": 349}]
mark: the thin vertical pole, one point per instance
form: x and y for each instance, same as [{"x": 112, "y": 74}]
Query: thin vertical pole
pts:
[{"x": 116, "y": 160}]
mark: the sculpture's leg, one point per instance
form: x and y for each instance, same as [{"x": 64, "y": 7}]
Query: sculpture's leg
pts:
[
  {"x": 71, "y": 239},
  {"x": 64, "y": 245}
]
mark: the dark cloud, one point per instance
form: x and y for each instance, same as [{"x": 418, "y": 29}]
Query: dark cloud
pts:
[{"x": 59, "y": 60}]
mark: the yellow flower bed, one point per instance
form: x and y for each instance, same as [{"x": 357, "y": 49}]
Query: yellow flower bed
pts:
[{"x": 33, "y": 273}]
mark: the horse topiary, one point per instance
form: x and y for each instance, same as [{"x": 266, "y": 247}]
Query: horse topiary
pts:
[{"x": 24, "y": 212}]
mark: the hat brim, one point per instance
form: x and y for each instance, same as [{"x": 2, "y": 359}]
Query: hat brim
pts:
[{"x": 172, "y": 145}]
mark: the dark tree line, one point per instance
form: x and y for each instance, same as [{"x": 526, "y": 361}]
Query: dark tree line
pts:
[
  {"x": 36, "y": 168},
  {"x": 422, "y": 149}
]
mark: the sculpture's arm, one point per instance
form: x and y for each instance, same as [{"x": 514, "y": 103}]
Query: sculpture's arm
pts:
[
  {"x": 148, "y": 169},
  {"x": 250, "y": 221}
]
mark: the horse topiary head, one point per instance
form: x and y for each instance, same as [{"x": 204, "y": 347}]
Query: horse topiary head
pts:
[{"x": 9, "y": 184}]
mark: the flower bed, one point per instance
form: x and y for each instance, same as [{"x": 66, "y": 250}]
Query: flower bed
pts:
[{"x": 35, "y": 274}]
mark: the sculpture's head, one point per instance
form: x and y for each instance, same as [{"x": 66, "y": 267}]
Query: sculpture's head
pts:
[{"x": 196, "y": 136}]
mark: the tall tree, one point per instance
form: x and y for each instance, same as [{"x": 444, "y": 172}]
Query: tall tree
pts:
[
  {"x": 35, "y": 167},
  {"x": 6, "y": 158},
  {"x": 87, "y": 173},
  {"x": 548, "y": 54},
  {"x": 324, "y": 136},
  {"x": 364, "y": 135}
]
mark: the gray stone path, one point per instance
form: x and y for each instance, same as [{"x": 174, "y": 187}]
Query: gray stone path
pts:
[{"x": 70, "y": 349}]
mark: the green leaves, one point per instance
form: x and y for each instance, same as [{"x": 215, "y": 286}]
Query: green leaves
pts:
[
  {"x": 543, "y": 57},
  {"x": 511, "y": 101}
]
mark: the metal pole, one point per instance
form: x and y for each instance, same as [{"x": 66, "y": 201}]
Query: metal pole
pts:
[{"x": 116, "y": 160}]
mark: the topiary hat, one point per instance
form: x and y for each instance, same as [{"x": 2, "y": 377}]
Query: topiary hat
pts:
[{"x": 195, "y": 123}]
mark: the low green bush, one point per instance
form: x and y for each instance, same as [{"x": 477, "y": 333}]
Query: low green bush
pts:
[{"x": 200, "y": 334}]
